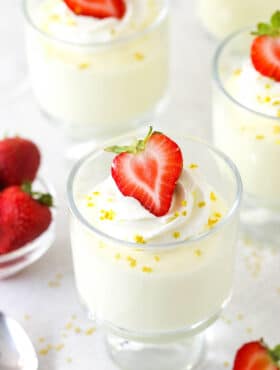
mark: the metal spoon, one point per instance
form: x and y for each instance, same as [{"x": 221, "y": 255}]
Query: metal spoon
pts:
[{"x": 16, "y": 349}]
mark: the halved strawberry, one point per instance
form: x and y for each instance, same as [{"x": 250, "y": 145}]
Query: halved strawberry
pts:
[
  {"x": 148, "y": 171},
  {"x": 265, "y": 49},
  {"x": 257, "y": 356},
  {"x": 98, "y": 8}
]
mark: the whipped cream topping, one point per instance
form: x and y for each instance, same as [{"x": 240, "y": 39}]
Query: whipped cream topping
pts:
[
  {"x": 257, "y": 92},
  {"x": 56, "y": 19},
  {"x": 191, "y": 212}
]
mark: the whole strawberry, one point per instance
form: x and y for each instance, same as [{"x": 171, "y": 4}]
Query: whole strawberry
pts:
[
  {"x": 19, "y": 161},
  {"x": 257, "y": 356},
  {"x": 24, "y": 215}
]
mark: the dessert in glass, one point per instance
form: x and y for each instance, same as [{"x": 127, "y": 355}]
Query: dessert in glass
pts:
[
  {"x": 222, "y": 17},
  {"x": 246, "y": 119},
  {"x": 98, "y": 67},
  {"x": 153, "y": 240}
]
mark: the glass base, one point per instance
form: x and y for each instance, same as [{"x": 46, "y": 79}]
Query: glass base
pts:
[
  {"x": 260, "y": 223},
  {"x": 133, "y": 355}
]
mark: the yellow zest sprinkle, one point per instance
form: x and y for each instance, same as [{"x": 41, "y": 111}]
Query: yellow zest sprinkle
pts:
[
  {"x": 139, "y": 56},
  {"x": 172, "y": 218},
  {"x": 184, "y": 203},
  {"x": 184, "y": 213},
  {"x": 139, "y": 239},
  {"x": 132, "y": 261},
  {"x": 212, "y": 221},
  {"x": 78, "y": 330},
  {"x": 157, "y": 258},
  {"x": 54, "y": 17},
  {"x": 176, "y": 235},
  {"x": 71, "y": 22},
  {"x": 113, "y": 31},
  {"x": 69, "y": 326},
  {"x": 69, "y": 360},
  {"x": 277, "y": 142},
  {"x": 74, "y": 317},
  {"x": 90, "y": 204},
  {"x": 259, "y": 98},
  {"x": 26, "y": 317},
  {"x": 193, "y": 165},
  {"x": 59, "y": 276},
  {"x": 276, "y": 102},
  {"x": 226, "y": 364},
  {"x": 107, "y": 215},
  {"x": 213, "y": 196},
  {"x": 217, "y": 214},
  {"x": 118, "y": 256},
  {"x": 90, "y": 331},
  {"x": 96, "y": 193},
  {"x": 53, "y": 284},
  {"x": 43, "y": 352},
  {"x": 278, "y": 113},
  {"x": 267, "y": 99},
  {"x": 259, "y": 137},
  {"x": 267, "y": 86},
  {"x": 102, "y": 244},
  {"x": 84, "y": 65},
  {"x": 198, "y": 252},
  {"x": 237, "y": 72},
  {"x": 249, "y": 330},
  {"x": 240, "y": 316},
  {"x": 41, "y": 339},
  {"x": 110, "y": 200},
  {"x": 276, "y": 130},
  {"x": 147, "y": 269},
  {"x": 201, "y": 204},
  {"x": 59, "y": 347},
  {"x": 89, "y": 197}
]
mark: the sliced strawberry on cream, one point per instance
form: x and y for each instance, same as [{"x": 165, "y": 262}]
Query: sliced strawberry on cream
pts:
[
  {"x": 148, "y": 171},
  {"x": 98, "y": 8},
  {"x": 265, "y": 49}
]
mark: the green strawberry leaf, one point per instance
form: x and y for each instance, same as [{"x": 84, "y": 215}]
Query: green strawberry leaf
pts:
[{"x": 269, "y": 29}]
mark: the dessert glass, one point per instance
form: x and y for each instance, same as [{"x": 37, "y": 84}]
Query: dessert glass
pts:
[
  {"x": 251, "y": 139},
  {"x": 154, "y": 314},
  {"x": 98, "y": 89},
  {"x": 14, "y": 262},
  {"x": 222, "y": 17}
]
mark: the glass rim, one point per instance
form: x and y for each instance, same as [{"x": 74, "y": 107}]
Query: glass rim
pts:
[
  {"x": 119, "y": 41},
  {"x": 97, "y": 151},
  {"x": 217, "y": 78},
  {"x": 35, "y": 244}
]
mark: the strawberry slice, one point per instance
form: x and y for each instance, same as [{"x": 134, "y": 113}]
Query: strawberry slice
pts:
[
  {"x": 148, "y": 171},
  {"x": 257, "y": 356},
  {"x": 98, "y": 8},
  {"x": 265, "y": 49}
]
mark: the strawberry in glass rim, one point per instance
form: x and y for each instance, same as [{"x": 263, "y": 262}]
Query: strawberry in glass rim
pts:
[
  {"x": 265, "y": 49},
  {"x": 257, "y": 356},
  {"x": 98, "y": 8},
  {"x": 148, "y": 171}
]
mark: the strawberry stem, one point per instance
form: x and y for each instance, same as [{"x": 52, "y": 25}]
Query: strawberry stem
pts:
[
  {"x": 275, "y": 354},
  {"x": 269, "y": 29},
  {"x": 45, "y": 199},
  {"x": 138, "y": 146}
]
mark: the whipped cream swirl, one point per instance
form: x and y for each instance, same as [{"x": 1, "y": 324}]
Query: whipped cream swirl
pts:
[
  {"x": 56, "y": 19},
  {"x": 257, "y": 92},
  {"x": 106, "y": 208}
]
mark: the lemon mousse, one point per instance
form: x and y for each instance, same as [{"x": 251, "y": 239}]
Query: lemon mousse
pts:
[
  {"x": 148, "y": 263},
  {"x": 97, "y": 75}
]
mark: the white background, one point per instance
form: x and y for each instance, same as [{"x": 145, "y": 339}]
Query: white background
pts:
[{"x": 45, "y": 311}]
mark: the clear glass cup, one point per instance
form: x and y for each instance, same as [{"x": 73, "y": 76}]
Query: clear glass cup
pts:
[
  {"x": 222, "y": 17},
  {"x": 251, "y": 139},
  {"x": 98, "y": 89},
  {"x": 154, "y": 314}
]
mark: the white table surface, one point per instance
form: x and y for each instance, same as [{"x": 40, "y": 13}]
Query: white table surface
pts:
[{"x": 52, "y": 313}]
